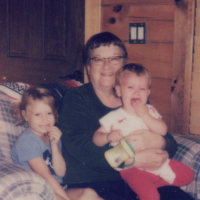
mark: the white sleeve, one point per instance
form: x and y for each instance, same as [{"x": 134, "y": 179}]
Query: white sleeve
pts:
[
  {"x": 153, "y": 112},
  {"x": 107, "y": 121}
]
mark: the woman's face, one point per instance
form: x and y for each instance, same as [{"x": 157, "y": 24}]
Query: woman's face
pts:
[{"x": 103, "y": 76}]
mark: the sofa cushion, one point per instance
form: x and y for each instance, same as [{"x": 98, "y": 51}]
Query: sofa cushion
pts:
[
  {"x": 14, "y": 90},
  {"x": 17, "y": 183},
  {"x": 8, "y": 130},
  {"x": 59, "y": 89},
  {"x": 10, "y": 93},
  {"x": 188, "y": 152}
]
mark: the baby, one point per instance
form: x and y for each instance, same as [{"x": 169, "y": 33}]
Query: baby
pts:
[{"x": 133, "y": 86}]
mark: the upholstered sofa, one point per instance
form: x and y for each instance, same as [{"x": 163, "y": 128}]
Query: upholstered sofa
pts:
[{"x": 20, "y": 184}]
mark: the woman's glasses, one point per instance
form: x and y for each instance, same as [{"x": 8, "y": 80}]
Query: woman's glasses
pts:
[{"x": 112, "y": 60}]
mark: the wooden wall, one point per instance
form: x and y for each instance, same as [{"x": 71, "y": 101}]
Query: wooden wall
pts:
[
  {"x": 157, "y": 54},
  {"x": 168, "y": 52}
]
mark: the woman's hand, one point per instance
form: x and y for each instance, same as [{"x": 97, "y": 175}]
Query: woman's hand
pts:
[
  {"x": 144, "y": 139},
  {"x": 150, "y": 159}
]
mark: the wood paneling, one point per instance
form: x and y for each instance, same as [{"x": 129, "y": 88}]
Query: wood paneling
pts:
[
  {"x": 162, "y": 52},
  {"x": 157, "y": 54},
  {"x": 156, "y": 57},
  {"x": 167, "y": 52},
  {"x": 92, "y": 18},
  {"x": 137, "y": 1},
  {"x": 160, "y": 96},
  {"x": 197, "y": 40},
  {"x": 198, "y": 4},
  {"x": 92, "y": 22},
  {"x": 159, "y": 20},
  {"x": 157, "y": 69},
  {"x": 182, "y": 66},
  {"x": 151, "y": 12},
  {"x": 195, "y": 83}
]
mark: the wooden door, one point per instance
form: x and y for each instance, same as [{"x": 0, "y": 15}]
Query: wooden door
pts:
[{"x": 40, "y": 40}]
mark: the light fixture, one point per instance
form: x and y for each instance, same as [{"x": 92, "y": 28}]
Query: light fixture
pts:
[{"x": 137, "y": 33}]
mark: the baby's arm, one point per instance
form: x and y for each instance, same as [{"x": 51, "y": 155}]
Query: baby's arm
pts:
[
  {"x": 101, "y": 137},
  {"x": 40, "y": 167},
  {"x": 154, "y": 125},
  {"x": 58, "y": 161}
]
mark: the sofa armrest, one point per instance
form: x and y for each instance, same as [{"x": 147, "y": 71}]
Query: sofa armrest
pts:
[
  {"x": 18, "y": 183},
  {"x": 188, "y": 152}
]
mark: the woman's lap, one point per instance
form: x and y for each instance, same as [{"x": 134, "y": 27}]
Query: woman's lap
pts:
[
  {"x": 119, "y": 190},
  {"x": 109, "y": 190}
]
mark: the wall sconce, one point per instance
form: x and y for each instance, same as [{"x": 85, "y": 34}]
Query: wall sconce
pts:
[{"x": 137, "y": 33}]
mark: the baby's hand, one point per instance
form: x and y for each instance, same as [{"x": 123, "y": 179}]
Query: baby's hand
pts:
[
  {"x": 140, "y": 108},
  {"x": 114, "y": 136},
  {"x": 54, "y": 134}
]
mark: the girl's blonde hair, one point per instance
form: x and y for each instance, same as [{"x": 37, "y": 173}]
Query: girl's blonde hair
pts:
[
  {"x": 33, "y": 94},
  {"x": 137, "y": 69}
]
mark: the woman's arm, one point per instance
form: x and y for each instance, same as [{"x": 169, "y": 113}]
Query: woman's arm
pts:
[
  {"x": 39, "y": 166},
  {"x": 78, "y": 120},
  {"x": 171, "y": 145},
  {"x": 144, "y": 139},
  {"x": 149, "y": 159}
]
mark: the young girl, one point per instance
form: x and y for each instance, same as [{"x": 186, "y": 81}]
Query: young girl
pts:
[
  {"x": 133, "y": 84},
  {"x": 38, "y": 148}
]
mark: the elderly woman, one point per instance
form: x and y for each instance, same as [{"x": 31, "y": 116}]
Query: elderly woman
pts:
[{"x": 79, "y": 119}]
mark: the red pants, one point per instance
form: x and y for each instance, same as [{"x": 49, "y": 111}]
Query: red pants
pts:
[{"x": 145, "y": 184}]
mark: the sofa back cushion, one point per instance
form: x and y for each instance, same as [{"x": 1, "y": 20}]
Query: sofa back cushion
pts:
[
  {"x": 10, "y": 93},
  {"x": 8, "y": 130}
]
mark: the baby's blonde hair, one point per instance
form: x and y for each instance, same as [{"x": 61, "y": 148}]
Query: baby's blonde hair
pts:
[
  {"x": 137, "y": 69},
  {"x": 33, "y": 94}
]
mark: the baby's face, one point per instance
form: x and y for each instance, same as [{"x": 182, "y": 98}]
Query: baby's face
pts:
[{"x": 133, "y": 88}]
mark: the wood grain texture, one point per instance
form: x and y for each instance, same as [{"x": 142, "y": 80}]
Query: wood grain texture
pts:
[
  {"x": 195, "y": 83},
  {"x": 104, "y": 2},
  {"x": 157, "y": 54},
  {"x": 160, "y": 96},
  {"x": 92, "y": 22},
  {"x": 182, "y": 67},
  {"x": 156, "y": 57}
]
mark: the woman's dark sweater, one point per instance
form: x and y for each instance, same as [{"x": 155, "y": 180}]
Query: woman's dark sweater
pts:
[{"x": 78, "y": 120}]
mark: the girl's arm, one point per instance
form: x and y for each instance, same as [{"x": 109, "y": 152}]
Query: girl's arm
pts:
[
  {"x": 39, "y": 166},
  {"x": 101, "y": 137},
  {"x": 58, "y": 161}
]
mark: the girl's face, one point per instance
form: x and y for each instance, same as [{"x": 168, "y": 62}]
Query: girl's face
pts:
[
  {"x": 104, "y": 75},
  {"x": 39, "y": 116},
  {"x": 133, "y": 88}
]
